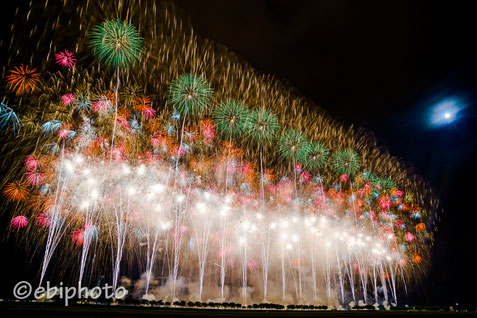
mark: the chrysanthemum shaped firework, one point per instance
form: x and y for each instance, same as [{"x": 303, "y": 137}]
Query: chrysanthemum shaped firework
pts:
[
  {"x": 65, "y": 58},
  {"x": 190, "y": 94},
  {"x": 346, "y": 161},
  {"x": 115, "y": 180},
  {"x": 23, "y": 79},
  {"x": 231, "y": 118},
  {"x": 262, "y": 125},
  {"x": 292, "y": 145},
  {"x": 68, "y": 99},
  {"x": 117, "y": 43},
  {"x": 315, "y": 156},
  {"x": 82, "y": 102},
  {"x": 16, "y": 191},
  {"x": 19, "y": 222}
]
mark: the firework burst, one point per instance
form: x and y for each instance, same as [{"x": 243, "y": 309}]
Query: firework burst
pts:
[
  {"x": 16, "y": 191},
  {"x": 68, "y": 99},
  {"x": 23, "y": 79},
  {"x": 117, "y": 43},
  {"x": 82, "y": 102},
  {"x": 262, "y": 126},
  {"x": 102, "y": 104},
  {"x": 142, "y": 105},
  {"x": 386, "y": 184},
  {"x": 43, "y": 220},
  {"x": 32, "y": 162},
  {"x": 9, "y": 118},
  {"x": 19, "y": 222},
  {"x": 315, "y": 156},
  {"x": 35, "y": 177},
  {"x": 190, "y": 94},
  {"x": 231, "y": 117},
  {"x": 292, "y": 145},
  {"x": 346, "y": 161},
  {"x": 51, "y": 127},
  {"x": 65, "y": 58}
]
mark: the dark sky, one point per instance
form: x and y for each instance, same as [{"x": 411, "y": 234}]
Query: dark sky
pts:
[{"x": 381, "y": 65}]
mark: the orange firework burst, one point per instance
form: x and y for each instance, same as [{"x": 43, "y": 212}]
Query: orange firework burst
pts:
[
  {"x": 16, "y": 191},
  {"x": 140, "y": 103},
  {"x": 268, "y": 176},
  {"x": 23, "y": 79},
  {"x": 421, "y": 227},
  {"x": 417, "y": 258},
  {"x": 153, "y": 125},
  {"x": 41, "y": 204},
  {"x": 111, "y": 96}
]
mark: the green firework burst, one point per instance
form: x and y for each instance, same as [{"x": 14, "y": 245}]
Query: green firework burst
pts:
[
  {"x": 345, "y": 161},
  {"x": 116, "y": 43},
  {"x": 262, "y": 125},
  {"x": 231, "y": 117},
  {"x": 315, "y": 156},
  {"x": 370, "y": 177},
  {"x": 292, "y": 145},
  {"x": 386, "y": 184},
  {"x": 190, "y": 94}
]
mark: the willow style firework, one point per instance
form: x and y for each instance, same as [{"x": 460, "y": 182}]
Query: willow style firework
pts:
[{"x": 172, "y": 176}]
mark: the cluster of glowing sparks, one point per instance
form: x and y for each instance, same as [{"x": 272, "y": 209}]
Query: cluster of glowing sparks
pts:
[
  {"x": 174, "y": 191},
  {"x": 308, "y": 237}
]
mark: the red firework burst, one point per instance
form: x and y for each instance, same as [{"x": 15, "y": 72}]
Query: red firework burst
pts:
[
  {"x": 208, "y": 130},
  {"x": 19, "y": 222},
  {"x": 65, "y": 58},
  {"x": 78, "y": 237},
  {"x": 43, "y": 220},
  {"x": 23, "y": 79},
  {"x": 68, "y": 99},
  {"x": 35, "y": 178},
  {"x": 32, "y": 162}
]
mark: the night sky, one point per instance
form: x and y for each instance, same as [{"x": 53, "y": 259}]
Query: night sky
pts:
[{"x": 381, "y": 65}]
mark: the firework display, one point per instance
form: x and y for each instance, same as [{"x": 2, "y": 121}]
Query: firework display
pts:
[{"x": 180, "y": 164}]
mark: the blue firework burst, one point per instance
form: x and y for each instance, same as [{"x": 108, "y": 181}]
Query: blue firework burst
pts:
[
  {"x": 82, "y": 103},
  {"x": 51, "y": 126},
  {"x": 9, "y": 118}
]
